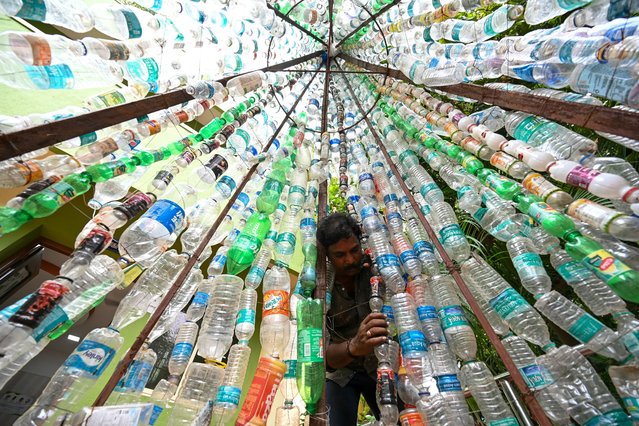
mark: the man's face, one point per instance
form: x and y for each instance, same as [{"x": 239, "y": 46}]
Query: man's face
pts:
[{"x": 346, "y": 256}]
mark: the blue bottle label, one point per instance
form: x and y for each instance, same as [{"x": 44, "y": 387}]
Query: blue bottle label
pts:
[
  {"x": 525, "y": 72},
  {"x": 509, "y": 421},
  {"x": 201, "y": 298},
  {"x": 155, "y": 414},
  {"x": 533, "y": 376},
  {"x": 599, "y": 420},
  {"x": 509, "y": 304},
  {"x": 450, "y": 231},
  {"x": 229, "y": 395},
  {"x": 390, "y": 197},
  {"x": 565, "y": 51},
  {"x": 167, "y": 213},
  {"x": 413, "y": 343},
  {"x": 572, "y": 4},
  {"x": 452, "y": 316},
  {"x": 246, "y": 316},
  {"x": 448, "y": 383},
  {"x": 91, "y": 357},
  {"x": 388, "y": 311},
  {"x": 425, "y": 189},
  {"x": 368, "y": 211},
  {"x": 226, "y": 184},
  {"x": 407, "y": 256},
  {"x": 387, "y": 261},
  {"x": 585, "y": 328},
  {"x": 256, "y": 272},
  {"x": 619, "y": 9},
  {"x": 308, "y": 222},
  {"x": 135, "y": 378},
  {"x": 457, "y": 30},
  {"x": 423, "y": 247},
  {"x": 51, "y": 76},
  {"x": 56, "y": 317},
  {"x": 286, "y": 238},
  {"x": 36, "y": 10},
  {"x": 631, "y": 342},
  {"x": 426, "y": 313},
  {"x": 183, "y": 349},
  {"x": 133, "y": 24}
]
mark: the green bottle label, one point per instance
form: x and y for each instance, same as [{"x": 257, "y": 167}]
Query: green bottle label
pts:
[
  {"x": 527, "y": 127},
  {"x": 425, "y": 189},
  {"x": 452, "y": 316},
  {"x": 450, "y": 231},
  {"x": 527, "y": 260},
  {"x": 309, "y": 345},
  {"x": 569, "y": 271},
  {"x": 631, "y": 341},
  {"x": 132, "y": 23},
  {"x": 585, "y": 328},
  {"x": 572, "y": 4},
  {"x": 456, "y": 31},
  {"x": 632, "y": 405},
  {"x": 510, "y": 421},
  {"x": 605, "y": 265},
  {"x": 36, "y": 10},
  {"x": 509, "y": 304}
]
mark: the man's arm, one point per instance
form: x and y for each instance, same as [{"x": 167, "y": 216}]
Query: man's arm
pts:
[{"x": 372, "y": 332}]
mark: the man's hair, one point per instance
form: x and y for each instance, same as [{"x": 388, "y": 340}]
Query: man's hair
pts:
[{"x": 335, "y": 227}]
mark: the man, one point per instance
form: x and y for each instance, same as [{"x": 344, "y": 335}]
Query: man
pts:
[{"x": 353, "y": 330}]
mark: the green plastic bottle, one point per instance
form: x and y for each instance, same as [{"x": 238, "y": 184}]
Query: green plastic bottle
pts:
[
  {"x": 551, "y": 220},
  {"x": 47, "y": 201},
  {"x": 12, "y": 219},
  {"x": 310, "y": 352},
  {"x": 503, "y": 186},
  {"x": 620, "y": 277},
  {"x": 242, "y": 253},
  {"x": 269, "y": 198}
]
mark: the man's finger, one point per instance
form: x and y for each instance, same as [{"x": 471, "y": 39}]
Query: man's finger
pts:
[
  {"x": 378, "y": 331},
  {"x": 377, "y": 323},
  {"x": 377, "y": 340}
]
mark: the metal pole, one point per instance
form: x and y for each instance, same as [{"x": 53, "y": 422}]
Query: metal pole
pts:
[
  {"x": 529, "y": 398},
  {"x": 17, "y": 143},
  {"x": 368, "y": 21},
  {"x": 139, "y": 341},
  {"x": 518, "y": 409},
  {"x": 287, "y": 19}
]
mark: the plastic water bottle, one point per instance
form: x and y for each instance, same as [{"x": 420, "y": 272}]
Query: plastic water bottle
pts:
[
  {"x": 216, "y": 334},
  {"x": 477, "y": 377},
  {"x": 245, "y": 324},
  {"x": 161, "y": 398},
  {"x": 201, "y": 384},
  {"x": 595, "y": 294},
  {"x": 615, "y": 223},
  {"x": 274, "y": 328},
  {"x": 599, "y": 80},
  {"x": 511, "y": 307},
  {"x": 445, "y": 374},
  {"x": 626, "y": 381},
  {"x": 287, "y": 237},
  {"x": 183, "y": 348},
  {"x": 536, "y": 377},
  {"x": 412, "y": 342},
  {"x": 147, "y": 237},
  {"x": 529, "y": 266},
  {"x": 246, "y": 83},
  {"x": 131, "y": 385},
  {"x": 407, "y": 257},
  {"x": 75, "y": 377},
  {"x": 422, "y": 246},
  {"x": 15, "y": 174},
  {"x": 405, "y": 388},
  {"x": 628, "y": 329},
  {"x": 450, "y": 234},
  {"x": 260, "y": 264},
  {"x": 54, "y": 12},
  {"x": 422, "y": 294},
  {"x": 310, "y": 372},
  {"x": 228, "y": 395},
  {"x": 197, "y": 308},
  {"x": 114, "y": 189},
  {"x": 456, "y": 328},
  {"x": 540, "y": 11},
  {"x": 581, "y": 325},
  {"x": 543, "y": 242}
]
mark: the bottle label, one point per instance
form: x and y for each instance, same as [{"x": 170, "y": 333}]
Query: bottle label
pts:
[
  {"x": 386, "y": 392},
  {"x": 157, "y": 410},
  {"x": 291, "y": 368},
  {"x": 539, "y": 185},
  {"x": 256, "y": 273},
  {"x": 387, "y": 261},
  {"x": 91, "y": 357},
  {"x": 229, "y": 395},
  {"x": 540, "y": 211},
  {"x": 571, "y": 271},
  {"x": 528, "y": 127},
  {"x": 509, "y": 304},
  {"x": 599, "y": 420},
  {"x": 112, "y": 98},
  {"x": 585, "y": 328},
  {"x": 388, "y": 311},
  {"x": 571, "y": 4},
  {"x": 619, "y": 9},
  {"x": 261, "y": 393},
  {"x": 35, "y": 10},
  {"x": 457, "y": 28},
  {"x": 509, "y": 421},
  {"x": 201, "y": 298},
  {"x": 631, "y": 341},
  {"x": 39, "y": 305},
  {"x": 423, "y": 247},
  {"x": 390, "y": 198},
  {"x": 364, "y": 177},
  {"x": 528, "y": 260},
  {"x": 286, "y": 238},
  {"x": 593, "y": 213},
  {"x": 425, "y": 189},
  {"x": 132, "y": 23},
  {"x": 413, "y": 343},
  {"x": 310, "y": 345},
  {"x": 489, "y": 30},
  {"x": 632, "y": 405},
  {"x": 183, "y": 349},
  {"x": 246, "y": 316},
  {"x": 533, "y": 376},
  {"x": 448, "y": 383},
  {"x": 136, "y": 377},
  {"x": 605, "y": 265},
  {"x": 54, "y": 319},
  {"x": 275, "y": 303},
  {"x": 426, "y": 313},
  {"x": 581, "y": 177},
  {"x": 450, "y": 231},
  {"x": 407, "y": 256},
  {"x": 88, "y": 138},
  {"x": 452, "y": 316},
  {"x": 168, "y": 214},
  {"x": 502, "y": 161}
]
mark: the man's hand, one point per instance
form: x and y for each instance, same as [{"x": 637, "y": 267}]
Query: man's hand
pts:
[{"x": 372, "y": 331}]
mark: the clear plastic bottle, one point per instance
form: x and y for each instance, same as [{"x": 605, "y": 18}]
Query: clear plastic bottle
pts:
[
  {"x": 260, "y": 264},
  {"x": 597, "y": 296},
  {"x": 511, "y": 307},
  {"x": 412, "y": 342},
  {"x": 422, "y": 294},
  {"x": 246, "y": 83},
  {"x": 287, "y": 237},
  {"x": 445, "y": 374},
  {"x": 628, "y": 329},
  {"x": 183, "y": 348},
  {"x": 228, "y": 395},
  {"x": 245, "y": 324},
  {"x": 450, "y": 234},
  {"x": 55, "y": 12},
  {"x": 15, "y": 174},
  {"x": 216, "y": 334},
  {"x": 407, "y": 256},
  {"x": 274, "y": 328},
  {"x": 626, "y": 381},
  {"x": 581, "y": 325},
  {"x": 529, "y": 266},
  {"x": 114, "y": 189},
  {"x": 161, "y": 398},
  {"x": 422, "y": 246},
  {"x": 197, "y": 308},
  {"x": 477, "y": 377},
  {"x": 456, "y": 328},
  {"x": 131, "y": 385},
  {"x": 201, "y": 384},
  {"x": 542, "y": 241},
  {"x": 616, "y": 223}
]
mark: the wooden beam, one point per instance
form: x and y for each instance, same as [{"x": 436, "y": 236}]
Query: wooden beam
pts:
[
  {"x": 368, "y": 21},
  {"x": 17, "y": 143},
  {"x": 599, "y": 118},
  {"x": 287, "y": 19}
]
